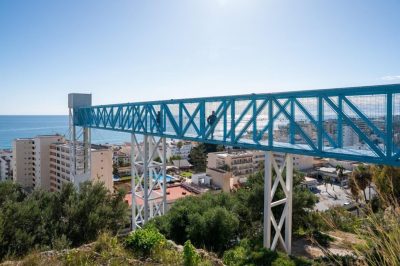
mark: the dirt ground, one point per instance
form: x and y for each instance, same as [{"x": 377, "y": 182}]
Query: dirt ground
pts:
[{"x": 340, "y": 246}]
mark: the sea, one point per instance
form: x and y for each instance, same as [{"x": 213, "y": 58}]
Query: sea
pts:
[{"x": 28, "y": 126}]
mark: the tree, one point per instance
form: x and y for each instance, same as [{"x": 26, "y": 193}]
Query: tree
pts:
[
  {"x": 121, "y": 162},
  {"x": 198, "y": 158},
  {"x": 326, "y": 181},
  {"x": 339, "y": 172},
  {"x": 115, "y": 170},
  {"x": 179, "y": 145},
  {"x": 44, "y": 219},
  {"x": 219, "y": 221},
  {"x": 387, "y": 181},
  {"x": 10, "y": 191},
  {"x": 361, "y": 178}
]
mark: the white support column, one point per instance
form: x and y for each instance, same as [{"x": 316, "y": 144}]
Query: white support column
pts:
[
  {"x": 267, "y": 199},
  {"x": 146, "y": 179},
  {"x": 285, "y": 220},
  {"x": 134, "y": 174},
  {"x": 164, "y": 173},
  {"x": 149, "y": 193},
  {"x": 289, "y": 188}
]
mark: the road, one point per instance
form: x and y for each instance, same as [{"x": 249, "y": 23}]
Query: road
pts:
[{"x": 332, "y": 195}]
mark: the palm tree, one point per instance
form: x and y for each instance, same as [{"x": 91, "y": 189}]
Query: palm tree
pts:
[
  {"x": 362, "y": 177},
  {"x": 339, "y": 172},
  {"x": 355, "y": 191},
  {"x": 326, "y": 180}
]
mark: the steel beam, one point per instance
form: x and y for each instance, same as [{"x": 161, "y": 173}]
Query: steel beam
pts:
[{"x": 239, "y": 116}]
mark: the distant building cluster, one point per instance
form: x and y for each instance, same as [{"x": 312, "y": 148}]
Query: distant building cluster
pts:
[
  {"x": 229, "y": 169},
  {"x": 44, "y": 162},
  {"x": 349, "y": 136}
]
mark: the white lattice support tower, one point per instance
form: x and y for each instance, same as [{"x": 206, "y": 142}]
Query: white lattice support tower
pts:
[
  {"x": 148, "y": 179},
  {"x": 273, "y": 227}
]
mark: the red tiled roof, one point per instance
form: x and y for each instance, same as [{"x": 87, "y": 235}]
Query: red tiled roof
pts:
[{"x": 173, "y": 193}]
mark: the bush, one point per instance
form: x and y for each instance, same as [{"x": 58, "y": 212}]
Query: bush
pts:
[
  {"x": 322, "y": 239},
  {"x": 166, "y": 254},
  {"x": 283, "y": 261},
  {"x": 190, "y": 256},
  {"x": 143, "y": 241},
  {"x": 51, "y": 220},
  {"x": 235, "y": 256},
  {"x": 340, "y": 218},
  {"x": 186, "y": 174}
]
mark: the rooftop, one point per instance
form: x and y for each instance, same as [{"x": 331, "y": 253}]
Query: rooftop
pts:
[{"x": 173, "y": 193}]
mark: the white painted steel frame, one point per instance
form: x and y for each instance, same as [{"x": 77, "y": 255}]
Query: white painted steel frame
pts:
[
  {"x": 149, "y": 188},
  {"x": 79, "y": 137},
  {"x": 271, "y": 185}
]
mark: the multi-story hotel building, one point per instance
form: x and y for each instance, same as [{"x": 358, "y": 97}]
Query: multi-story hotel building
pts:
[
  {"x": 100, "y": 163},
  {"x": 31, "y": 156},
  {"x": 44, "y": 162},
  {"x": 228, "y": 168},
  {"x": 5, "y": 165}
]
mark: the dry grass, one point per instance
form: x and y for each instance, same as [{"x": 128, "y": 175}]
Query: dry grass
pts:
[
  {"x": 378, "y": 228},
  {"x": 381, "y": 232}
]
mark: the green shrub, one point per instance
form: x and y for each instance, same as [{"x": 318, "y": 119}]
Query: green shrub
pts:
[
  {"x": 166, "y": 254},
  {"x": 190, "y": 256},
  {"x": 143, "y": 241},
  {"x": 235, "y": 256},
  {"x": 108, "y": 245},
  {"x": 322, "y": 239},
  {"x": 61, "y": 243},
  {"x": 186, "y": 174},
  {"x": 283, "y": 261},
  {"x": 340, "y": 218}
]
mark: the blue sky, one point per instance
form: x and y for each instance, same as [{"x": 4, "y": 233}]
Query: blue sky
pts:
[{"x": 126, "y": 51}]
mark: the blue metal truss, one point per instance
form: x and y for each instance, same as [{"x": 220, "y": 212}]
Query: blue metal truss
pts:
[{"x": 360, "y": 123}]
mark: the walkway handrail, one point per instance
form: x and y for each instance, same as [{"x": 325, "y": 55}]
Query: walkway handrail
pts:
[{"x": 359, "y": 123}]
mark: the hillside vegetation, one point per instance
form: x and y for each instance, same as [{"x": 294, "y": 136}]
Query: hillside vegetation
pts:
[{"x": 50, "y": 228}]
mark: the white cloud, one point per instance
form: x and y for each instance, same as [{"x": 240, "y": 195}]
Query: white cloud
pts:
[{"x": 391, "y": 77}]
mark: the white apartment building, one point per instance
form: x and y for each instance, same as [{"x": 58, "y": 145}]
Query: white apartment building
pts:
[
  {"x": 350, "y": 138},
  {"x": 5, "y": 165},
  {"x": 239, "y": 162},
  {"x": 230, "y": 168},
  {"x": 300, "y": 162},
  {"x": 44, "y": 162},
  {"x": 122, "y": 154},
  {"x": 174, "y": 150}
]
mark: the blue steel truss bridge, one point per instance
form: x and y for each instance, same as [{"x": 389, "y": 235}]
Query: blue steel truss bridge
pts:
[{"x": 358, "y": 124}]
